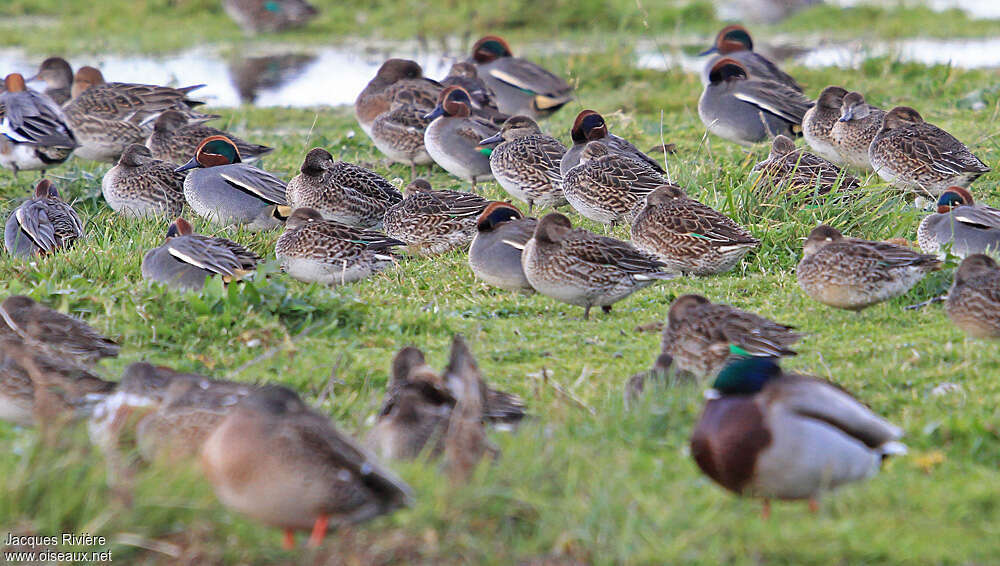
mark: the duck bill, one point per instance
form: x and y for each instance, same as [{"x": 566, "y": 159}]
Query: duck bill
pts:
[
  {"x": 709, "y": 51},
  {"x": 847, "y": 116},
  {"x": 439, "y": 111},
  {"x": 193, "y": 164},
  {"x": 492, "y": 139}
]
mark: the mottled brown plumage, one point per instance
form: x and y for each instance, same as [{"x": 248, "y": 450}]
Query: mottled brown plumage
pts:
[
  {"x": 607, "y": 187},
  {"x": 792, "y": 171},
  {"x": 973, "y": 302},
  {"x": 433, "y": 222}
]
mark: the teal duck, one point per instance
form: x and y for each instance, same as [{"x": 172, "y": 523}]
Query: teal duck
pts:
[
  {"x": 57, "y": 75},
  {"x": 255, "y": 16},
  {"x": 526, "y": 162},
  {"x": 853, "y": 133},
  {"x": 341, "y": 191},
  {"x": 969, "y": 227},
  {"x": 791, "y": 170},
  {"x": 399, "y": 81},
  {"x": 42, "y": 225},
  {"x": 609, "y": 187},
  {"x": 819, "y": 121},
  {"x": 465, "y": 443},
  {"x": 399, "y": 135},
  {"x": 687, "y": 236},
  {"x": 521, "y": 87},
  {"x": 590, "y": 126},
  {"x": 464, "y": 74},
  {"x": 492, "y": 259},
  {"x": 855, "y": 274},
  {"x": 186, "y": 260},
  {"x": 453, "y": 137},
  {"x": 140, "y": 185},
  {"x": 433, "y": 222},
  {"x": 734, "y": 41},
  {"x": 34, "y": 132},
  {"x": 58, "y": 334},
  {"x": 174, "y": 139},
  {"x": 577, "y": 267},
  {"x": 973, "y": 302}
]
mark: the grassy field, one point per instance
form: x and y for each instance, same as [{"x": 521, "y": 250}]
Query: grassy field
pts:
[{"x": 584, "y": 480}]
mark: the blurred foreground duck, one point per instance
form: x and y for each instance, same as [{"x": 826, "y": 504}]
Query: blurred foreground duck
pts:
[
  {"x": 51, "y": 331},
  {"x": 609, "y": 187},
  {"x": 735, "y": 42},
  {"x": 521, "y": 87},
  {"x": 577, "y": 267},
  {"x": 794, "y": 171},
  {"x": 255, "y": 16},
  {"x": 140, "y": 185},
  {"x": 175, "y": 139},
  {"x": 819, "y": 121},
  {"x": 853, "y": 133},
  {"x": 224, "y": 190},
  {"x": 282, "y": 463},
  {"x": 34, "y": 132},
  {"x": 969, "y": 228},
  {"x": 853, "y": 274},
  {"x": 590, "y": 126},
  {"x": 687, "y": 236},
  {"x": 42, "y": 225},
  {"x": 432, "y": 222},
  {"x": 57, "y": 74},
  {"x": 492, "y": 257},
  {"x": 973, "y": 302},
  {"x": 776, "y": 435},
  {"x": 186, "y": 260},
  {"x": 453, "y": 138},
  {"x": 526, "y": 163},
  {"x": 398, "y": 81},
  {"x": 316, "y": 250}
]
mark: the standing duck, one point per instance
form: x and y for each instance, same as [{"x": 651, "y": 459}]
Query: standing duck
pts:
[
  {"x": 433, "y": 222},
  {"x": 794, "y": 171},
  {"x": 397, "y": 80},
  {"x": 61, "y": 335},
  {"x": 699, "y": 334},
  {"x": 453, "y": 137},
  {"x": 526, "y": 163},
  {"x": 973, "y": 302},
  {"x": 186, "y": 260},
  {"x": 255, "y": 16},
  {"x": 687, "y": 236},
  {"x": 855, "y": 274},
  {"x": 282, "y": 463},
  {"x": 608, "y": 187},
  {"x": 315, "y": 250},
  {"x": 771, "y": 434},
  {"x": 225, "y": 190},
  {"x": 491, "y": 256},
  {"x": 745, "y": 109},
  {"x": 818, "y": 123},
  {"x": 57, "y": 75},
  {"x": 140, "y": 185},
  {"x": 34, "y": 132},
  {"x": 580, "y": 268},
  {"x": 853, "y": 133},
  {"x": 590, "y": 126},
  {"x": 341, "y": 191},
  {"x": 522, "y": 87},
  {"x": 914, "y": 155},
  {"x": 399, "y": 135},
  {"x": 175, "y": 139},
  {"x": 969, "y": 227},
  {"x": 42, "y": 225},
  {"x": 735, "y": 42}
]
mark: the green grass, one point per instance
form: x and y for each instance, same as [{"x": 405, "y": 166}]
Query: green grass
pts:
[{"x": 603, "y": 486}]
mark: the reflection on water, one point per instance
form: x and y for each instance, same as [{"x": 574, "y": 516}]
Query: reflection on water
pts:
[{"x": 254, "y": 75}]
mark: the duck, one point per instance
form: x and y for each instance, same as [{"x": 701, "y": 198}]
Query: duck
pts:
[
  {"x": 818, "y": 123},
  {"x": 175, "y": 140},
  {"x": 734, "y": 41},
  {"x": 742, "y": 108},
  {"x": 465, "y": 443},
  {"x": 854, "y": 131},
  {"x": 280, "y": 462},
  {"x": 452, "y": 139},
  {"x": 521, "y": 87},
  {"x": 687, "y": 236},
  {"x": 589, "y": 126},
  {"x": 973, "y": 303},
  {"x": 255, "y": 16},
  {"x": 399, "y": 135},
  {"x": 139, "y": 104},
  {"x": 773, "y": 434},
  {"x": 397, "y": 80},
  {"x": 57, "y": 74},
  {"x": 792, "y": 170},
  {"x": 186, "y": 260},
  {"x": 484, "y": 105},
  {"x": 315, "y": 250},
  {"x": 609, "y": 187},
  {"x": 578, "y": 267},
  {"x": 140, "y": 185},
  {"x": 526, "y": 163},
  {"x": 969, "y": 227},
  {"x": 853, "y": 274},
  {"x": 55, "y": 333},
  {"x": 34, "y": 131},
  {"x": 224, "y": 190},
  {"x": 432, "y": 222},
  {"x": 700, "y": 334},
  {"x": 344, "y": 192},
  {"x": 916, "y": 156},
  {"x": 492, "y": 259},
  {"x": 42, "y": 225}
]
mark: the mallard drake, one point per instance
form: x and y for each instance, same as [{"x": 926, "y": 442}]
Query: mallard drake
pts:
[
  {"x": 772, "y": 434},
  {"x": 521, "y": 87},
  {"x": 793, "y": 170},
  {"x": 280, "y": 462},
  {"x": 34, "y": 132},
  {"x": 57, "y": 75},
  {"x": 140, "y": 185},
  {"x": 42, "y": 225},
  {"x": 398, "y": 80},
  {"x": 526, "y": 162},
  {"x": 917, "y": 156},
  {"x": 699, "y": 333},
  {"x": 225, "y": 190},
  {"x": 742, "y": 108},
  {"x": 973, "y": 302},
  {"x": 734, "y": 41},
  {"x": 315, "y": 250},
  {"x": 492, "y": 259},
  {"x": 186, "y": 259},
  {"x": 174, "y": 139},
  {"x": 484, "y": 105},
  {"x": 969, "y": 227},
  {"x": 433, "y": 222},
  {"x": 853, "y": 274},
  {"x": 608, "y": 187},
  {"x": 341, "y": 191},
  {"x": 255, "y": 16},
  {"x": 818, "y": 123},
  {"x": 577, "y": 267},
  {"x": 590, "y": 126},
  {"x": 688, "y": 236},
  {"x": 854, "y": 131},
  {"x": 453, "y": 137},
  {"x": 62, "y": 336}
]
